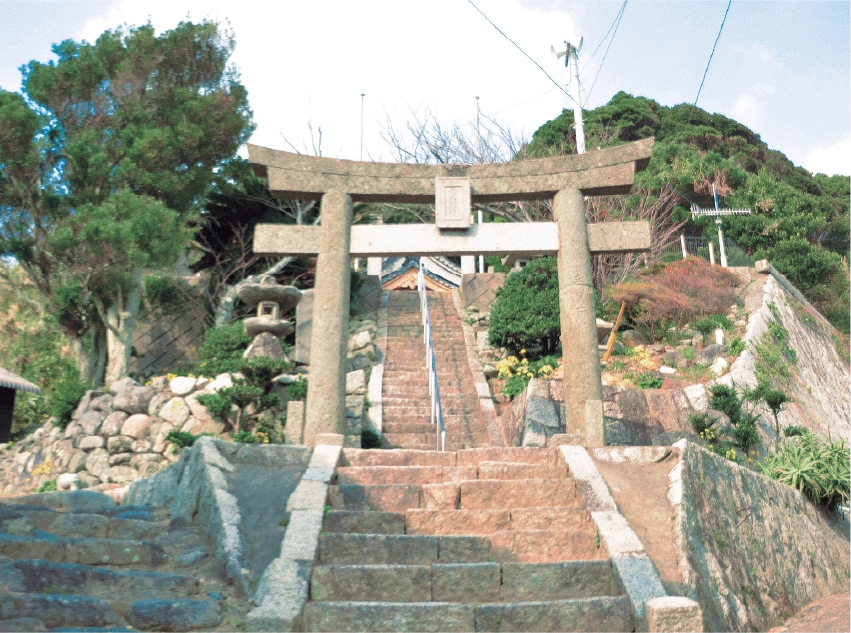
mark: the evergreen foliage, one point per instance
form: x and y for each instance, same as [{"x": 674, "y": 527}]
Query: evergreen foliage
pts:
[
  {"x": 799, "y": 221},
  {"x": 525, "y": 314}
]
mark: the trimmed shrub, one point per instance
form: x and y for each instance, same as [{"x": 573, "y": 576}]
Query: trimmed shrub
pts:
[
  {"x": 370, "y": 439},
  {"x": 675, "y": 294},
  {"x": 525, "y": 314},
  {"x": 181, "y": 439},
  {"x": 222, "y": 349}
]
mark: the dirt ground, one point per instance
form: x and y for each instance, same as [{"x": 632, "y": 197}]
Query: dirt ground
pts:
[
  {"x": 831, "y": 614},
  {"x": 639, "y": 490}
]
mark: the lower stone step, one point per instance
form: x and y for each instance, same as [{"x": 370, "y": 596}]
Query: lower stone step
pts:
[
  {"x": 383, "y": 497},
  {"x": 456, "y": 521},
  {"x": 522, "y": 493},
  {"x": 464, "y": 582},
  {"x": 401, "y": 549},
  {"x": 40, "y": 576},
  {"x": 360, "y": 522},
  {"x": 362, "y": 457},
  {"x": 545, "y": 546},
  {"x": 55, "y": 611},
  {"x": 83, "y": 551},
  {"x": 378, "y": 475},
  {"x": 513, "y": 470},
  {"x": 588, "y": 614}
]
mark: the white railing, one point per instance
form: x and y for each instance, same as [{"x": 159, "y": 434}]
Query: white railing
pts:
[{"x": 433, "y": 387}]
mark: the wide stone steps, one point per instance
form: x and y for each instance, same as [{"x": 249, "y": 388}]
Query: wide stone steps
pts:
[
  {"x": 488, "y": 539},
  {"x": 405, "y": 398},
  {"x": 589, "y": 614},
  {"x": 79, "y": 561}
]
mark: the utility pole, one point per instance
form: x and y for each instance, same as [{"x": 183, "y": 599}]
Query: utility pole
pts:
[
  {"x": 571, "y": 62},
  {"x": 479, "y": 129},
  {"x": 718, "y": 212},
  {"x": 361, "y": 125}
]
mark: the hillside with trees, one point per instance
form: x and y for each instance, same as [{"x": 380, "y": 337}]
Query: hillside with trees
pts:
[{"x": 799, "y": 220}]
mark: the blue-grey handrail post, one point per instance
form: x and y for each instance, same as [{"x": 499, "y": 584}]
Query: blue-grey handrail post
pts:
[{"x": 431, "y": 367}]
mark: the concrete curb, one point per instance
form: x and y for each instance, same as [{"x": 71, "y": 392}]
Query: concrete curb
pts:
[
  {"x": 283, "y": 590},
  {"x": 633, "y": 568},
  {"x": 375, "y": 417},
  {"x": 196, "y": 485},
  {"x": 483, "y": 390}
]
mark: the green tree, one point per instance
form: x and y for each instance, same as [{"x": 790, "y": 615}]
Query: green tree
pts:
[
  {"x": 104, "y": 159},
  {"x": 526, "y": 311}
]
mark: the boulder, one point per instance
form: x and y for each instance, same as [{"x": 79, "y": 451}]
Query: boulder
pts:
[
  {"x": 119, "y": 444},
  {"x": 221, "y": 381},
  {"x": 137, "y": 426},
  {"x": 121, "y": 474},
  {"x": 101, "y": 403},
  {"x": 142, "y": 446},
  {"x": 175, "y": 411},
  {"x": 265, "y": 344},
  {"x": 159, "y": 384},
  {"x": 98, "y": 462},
  {"x": 71, "y": 432},
  {"x": 631, "y": 338},
  {"x": 90, "y": 442},
  {"x": 119, "y": 459},
  {"x": 122, "y": 384},
  {"x": 182, "y": 385},
  {"x": 158, "y": 401},
  {"x": 720, "y": 365},
  {"x": 83, "y": 405},
  {"x": 708, "y": 354},
  {"x": 112, "y": 424},
  {"x": 77, "y": 462},
  {"x": 203, "y": 425},
  {"x": 356, "y": 381},
  {"x": 90, "y": 421},
  {"x": 671, "y": 358},
  {"x": 133, "y": 400},
  {"x": 87, "y": 480},
  {"x": 68, "y": 481},
  {"x": 362, "y": 339}
]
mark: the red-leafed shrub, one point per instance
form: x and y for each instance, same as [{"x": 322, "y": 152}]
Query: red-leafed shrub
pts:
[{"x": 674, "y": 294}]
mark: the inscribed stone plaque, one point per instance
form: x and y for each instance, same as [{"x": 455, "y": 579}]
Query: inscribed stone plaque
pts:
[
  {"x": 452, "y": 203},
  {"x": 303, "y": 323}
]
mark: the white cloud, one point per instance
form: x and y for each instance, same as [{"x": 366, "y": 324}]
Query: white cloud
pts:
[
  {"x": 305, "y": 61},
  {"x": 834, "y": 159},
  {"x": 750, "y": 110}
]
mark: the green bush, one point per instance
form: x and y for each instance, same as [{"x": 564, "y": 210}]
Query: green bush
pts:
[
  {"x": 820, "y": 470},
  {"x": 245, "y": 437},
  {"x": 795, "y": 431},
  {"x": 709, "y": 324},
  {"x": 166, "y": 294},
  {"x": 222, "y": 349},
  {"x": 688, "y": 352},
  {"x": 298, "y": 389},
  {"x": 525, "y": 314},
  {"x": 370, "y": 439},
  {"x": 37, "y": 356},
  {"x": 47, "y": 486},
  {"x": 737, "y": 346},
  {"x": 514, "y": 386},
  {"x": 260, "y": 370},
  {"x": 700, "y": 422},
  {"x": 648, "y": 381},
  {"x": 181, "y": 439}
]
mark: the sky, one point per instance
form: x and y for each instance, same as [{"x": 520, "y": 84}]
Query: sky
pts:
[{"x": 782, "y": 68}]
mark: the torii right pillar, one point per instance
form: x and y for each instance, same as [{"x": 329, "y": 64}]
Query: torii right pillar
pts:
[{"x": 583, "y": 387}]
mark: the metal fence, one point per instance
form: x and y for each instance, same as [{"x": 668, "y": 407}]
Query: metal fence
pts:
[{"x": 699, "y": 247}]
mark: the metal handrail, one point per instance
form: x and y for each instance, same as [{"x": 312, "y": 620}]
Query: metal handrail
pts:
[{"x": 431, "y": 368}]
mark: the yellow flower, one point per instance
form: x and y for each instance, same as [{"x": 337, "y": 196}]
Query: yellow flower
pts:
[{"x": 523, "y": 352}]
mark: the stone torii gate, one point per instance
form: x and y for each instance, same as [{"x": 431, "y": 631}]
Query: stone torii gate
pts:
[{"x": 452, "y": 188}]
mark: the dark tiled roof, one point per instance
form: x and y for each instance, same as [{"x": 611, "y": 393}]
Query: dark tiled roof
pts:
[{"x": 13, "y": 381}]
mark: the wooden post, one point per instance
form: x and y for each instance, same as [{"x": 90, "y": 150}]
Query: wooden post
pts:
[
  {"x": 683, "y": 244},
  {"x": 711, "y": 254},
  {"x": 612, "y": 335}
]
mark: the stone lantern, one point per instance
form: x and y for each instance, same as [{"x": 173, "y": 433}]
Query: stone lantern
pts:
[{"x": 272, "y": 301}]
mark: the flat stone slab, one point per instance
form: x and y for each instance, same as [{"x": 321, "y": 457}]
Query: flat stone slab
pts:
[
  {"x": 387, "y": 616},
  {"x": 56, "y": 611},
  {"x": 589, "y": 614},
  {"x": 285, "y": 296},
  {"x": 175, "y": 615},
  {"x": 371, "y": 583}
]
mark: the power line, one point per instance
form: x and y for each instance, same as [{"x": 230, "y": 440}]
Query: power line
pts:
[
  {"x": 712, "y": 53},
  {"x": 617, "y": 17},
  {"x": 522, "y": 51},
  {"x": 617, "y": 26}
]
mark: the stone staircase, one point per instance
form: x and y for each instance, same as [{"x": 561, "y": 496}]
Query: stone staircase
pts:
[
  {"x": 490, "y": 539},
  {"x": 406, "y": 402},
  {"x": 78, "y": 560}
]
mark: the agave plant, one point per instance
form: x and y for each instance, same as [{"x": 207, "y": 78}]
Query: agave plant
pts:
[{"x": 820, "y": 470}]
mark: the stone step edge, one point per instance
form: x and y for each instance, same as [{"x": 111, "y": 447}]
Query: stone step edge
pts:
[
  {"x": 637, "y": 574},
  {"x": 283, "y": 589}
]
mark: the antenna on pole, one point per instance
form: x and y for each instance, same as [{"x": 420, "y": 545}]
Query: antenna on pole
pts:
[
  {"x": 717, "y": 212},
  {"x": 478, "y": 129},
  {"x": 361, "y": 125},
  {"x": 571, "y": 62}
]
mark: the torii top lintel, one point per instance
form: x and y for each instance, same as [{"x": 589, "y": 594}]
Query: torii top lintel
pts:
[{"x": 603, "y": 172}]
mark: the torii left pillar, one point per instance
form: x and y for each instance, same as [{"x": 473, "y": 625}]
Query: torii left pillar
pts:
[{"x": 326, "y": 393}]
